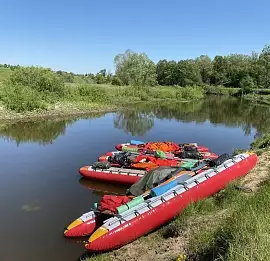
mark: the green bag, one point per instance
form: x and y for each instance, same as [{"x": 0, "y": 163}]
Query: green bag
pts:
[{"x": 160, "y": 154}]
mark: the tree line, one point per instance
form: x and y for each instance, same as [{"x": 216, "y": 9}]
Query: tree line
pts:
[
  {"x": 234, "y": 71},
  {"x": 131, "y": 68}
]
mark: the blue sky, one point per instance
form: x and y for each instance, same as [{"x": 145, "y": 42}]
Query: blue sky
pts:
[{"x": 85, "y": 35}]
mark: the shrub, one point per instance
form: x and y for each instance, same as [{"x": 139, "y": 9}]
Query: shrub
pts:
[
  {"x": 163, "y": 93},
  {"x": 261, "y": 143},
  {"x": 191, "y": 92},
  {"x": 116, "y": 81},
  {"x": 37, "y": 78},
  {"x": 93, "y": 93},
  {"x": 20, "y": 98}
]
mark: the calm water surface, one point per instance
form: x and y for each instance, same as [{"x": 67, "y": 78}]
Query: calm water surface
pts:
[{"x": 41, "y": 191}]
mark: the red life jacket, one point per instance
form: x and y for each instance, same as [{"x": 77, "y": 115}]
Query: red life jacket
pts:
[{"x": 151, "y": 162}]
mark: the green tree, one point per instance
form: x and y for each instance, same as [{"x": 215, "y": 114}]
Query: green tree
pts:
[
  {"x": 101, "y": 77},
  {"x": 247, "y": 84},
  {"x": 237, "y": 67},
  {"x": 264, "y": 61},
  {"x": 219, "y": 71},
  {"x": 167, "y": 73},
  {"x": 135, "y": 69},
  {"x": 188, "y": 73},
  {"x": 205, "y": 67}
]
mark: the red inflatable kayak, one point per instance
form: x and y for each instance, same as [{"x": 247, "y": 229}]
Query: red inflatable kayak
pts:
[
  {"x": 113, "y": 174},
  {"x": 129, "y": 175}
]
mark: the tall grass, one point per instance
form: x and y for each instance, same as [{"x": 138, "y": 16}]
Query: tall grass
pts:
[
  {"x": 243, "y": 235},
  {"x": 32, "y": 88}
]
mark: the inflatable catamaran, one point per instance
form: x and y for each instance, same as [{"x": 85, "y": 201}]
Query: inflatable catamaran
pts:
[
  {"x": 128, "y": 167},
  {"x": 164, "y": 202}
]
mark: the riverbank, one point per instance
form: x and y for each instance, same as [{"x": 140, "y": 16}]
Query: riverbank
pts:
[
  {"x": 231, "y": 225},
  {"x": 33, "y": 92},
  {"x": 258, "y": 96},
  {"x": 86, "y": 99},
  {"x": 58, "y": 110}
]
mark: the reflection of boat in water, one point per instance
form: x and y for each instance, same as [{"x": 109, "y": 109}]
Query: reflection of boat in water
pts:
[{"x": 105, "y": 188}]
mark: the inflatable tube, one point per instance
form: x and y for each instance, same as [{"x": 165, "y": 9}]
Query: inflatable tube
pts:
[
  {"x": 131, "y": 204},
  {"x": 164, "y": 188},
  {"x": 118, "y": 175},
  {"x": 83, "y": 226},
  {"x": 135, "y": 223}
]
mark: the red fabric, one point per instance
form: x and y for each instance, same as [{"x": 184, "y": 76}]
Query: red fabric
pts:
[
  {"x": 110, "y": 203},
  {"x": 157, "y": 161},
  {"x": 166, "y": 162}
]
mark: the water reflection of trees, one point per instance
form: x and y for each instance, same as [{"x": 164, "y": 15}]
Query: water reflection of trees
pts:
[
  {"x": 135, "y": 122},
  {"x": 41, "y": 131},
  {"x": 228, "y": 111}
]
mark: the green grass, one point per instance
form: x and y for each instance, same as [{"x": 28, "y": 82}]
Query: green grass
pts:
[
  {"x": 242, "y": 235},
  {"x": 4, "y": 74}
]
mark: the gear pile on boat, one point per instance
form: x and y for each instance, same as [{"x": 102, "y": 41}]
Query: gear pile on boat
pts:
[{"x": 165, "y": 178}]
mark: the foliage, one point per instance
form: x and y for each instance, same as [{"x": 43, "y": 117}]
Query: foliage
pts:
[
  {"x": 261, "y": 143},
  {"x": 66, "y": 77},
  {"x": 191, "y": 93},
  {"x": 20, "y": 98},
  {"x": 93, "y": 93},
  {"x": 116, "y": 80},
  {"x": 4, "y": 74},
  {"x": 37, "y": 78},
  {"x": 205, "y": 67},
  {"x": 226, "y": 71},
  {"x": 183, "y": 73},
  {"x": 247, "y": 84},
  {"x": 135, "y": 69},
  {"x": 220, "y": 90}
]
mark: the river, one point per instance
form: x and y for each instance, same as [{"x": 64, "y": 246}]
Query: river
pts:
[{"x": 41, "y": 191}]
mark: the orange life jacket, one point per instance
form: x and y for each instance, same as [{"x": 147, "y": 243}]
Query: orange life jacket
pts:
[{"x": 163, "y": 146}]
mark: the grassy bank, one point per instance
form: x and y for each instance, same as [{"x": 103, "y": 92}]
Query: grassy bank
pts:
[
  {"x": 231, "y": 225},
  {"x": 261, "y": 96},
  {"x": 32, "y": 91}
]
